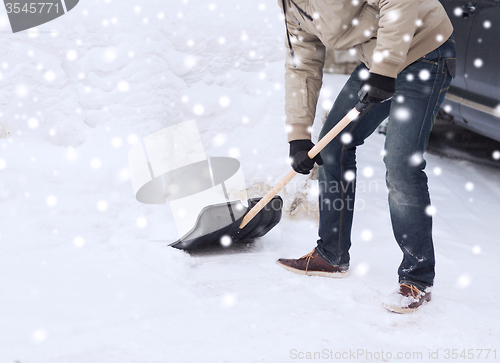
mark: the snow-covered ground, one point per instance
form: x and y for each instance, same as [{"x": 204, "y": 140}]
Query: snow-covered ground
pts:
[{"x": 83, "y": 277}]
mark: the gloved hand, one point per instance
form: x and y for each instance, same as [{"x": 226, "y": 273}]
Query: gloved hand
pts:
[
  {"x": 377, "y": 88},
  {"x": 301, "y": 163}
]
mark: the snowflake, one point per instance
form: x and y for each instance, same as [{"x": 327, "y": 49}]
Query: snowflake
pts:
[
  {"x": 346, "y": 138},
  {"x": 366, "y": 235},
  {"x": 141, "y": 222},
  {"x": 161, "y": 16},
  {"x": 496, "y": 155},
  {"x": 116, "y": 142},
  {"x": 123, "y": 86},
  {"x": 102, "y": 205},
  {"x": 198, "y": 110},
  {"x": 22, "y": 90},
  {"x": 476, "y": 250},
  {"x": 71, "y": 55},
  {"x": 478, "y": 62},
  {"x": 32, "y": 123},
  {"x": 109, "y": 55},
  {"x": 132, "y": 139},
  {"x": 430, "y": 210},
  {"x": 39, "y": 335},
  {"x": 226, "y": 241},
  {"x": 349, "y": 175},
  {"x": 78, "y": 241},
  {"x": 469, "y": 186},
  {"x": 229, "y": 300},
  {"x": 3, "y": 164},
  {"x": 458, "y": 11},
  {"x": 219, "y": 140},
  {"x": 402, "y": 114},
  {"x": 364, "y": 74},
  {"x": 95, "y": 163},
  {"x": 212, "y": 7},
  {"x": 368, "y": 171},
  {"x": 361, "y": 269},
  {"x": 424, "y": 75},
  {"x": 51, "y": 201},
  {"x": 437, "y": 170},
  {"x": 224, "y": 101},
  {"x": 487, "y": 24},
  {"x": 234, "y": 152},
  {"x": 464, "y": 281}
]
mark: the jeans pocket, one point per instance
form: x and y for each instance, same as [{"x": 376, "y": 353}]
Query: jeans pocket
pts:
[{"x": 451, "y": 66}]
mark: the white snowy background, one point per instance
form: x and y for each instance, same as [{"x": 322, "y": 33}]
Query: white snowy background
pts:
[{"x": 83, "y": 276}]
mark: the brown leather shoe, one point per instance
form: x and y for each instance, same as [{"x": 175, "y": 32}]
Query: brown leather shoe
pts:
[
  {"x": 313, "y": 264},
  {"x": 407, "y": 300}
]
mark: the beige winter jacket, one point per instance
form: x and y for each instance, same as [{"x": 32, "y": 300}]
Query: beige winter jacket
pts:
[{"x": 387, "y": 35}]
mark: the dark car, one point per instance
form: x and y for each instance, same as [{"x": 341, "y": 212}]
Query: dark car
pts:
[{"x": 473, "y": 100}]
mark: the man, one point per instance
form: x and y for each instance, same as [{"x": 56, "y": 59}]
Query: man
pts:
[{"x": 407, "y": 59}]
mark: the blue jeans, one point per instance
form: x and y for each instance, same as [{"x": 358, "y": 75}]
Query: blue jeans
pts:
[{"x": 420, "y": 90}]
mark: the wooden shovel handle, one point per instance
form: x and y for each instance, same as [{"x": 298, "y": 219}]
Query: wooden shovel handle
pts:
[{"x": 352, "y": 115}]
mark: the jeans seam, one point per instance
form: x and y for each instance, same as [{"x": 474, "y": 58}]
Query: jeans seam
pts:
[{"x": 341, "y": 177}]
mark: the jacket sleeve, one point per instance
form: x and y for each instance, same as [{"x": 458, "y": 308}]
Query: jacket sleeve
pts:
[
  {"x": 397, "y": 25},
  {"x": 302, "y": 82}
]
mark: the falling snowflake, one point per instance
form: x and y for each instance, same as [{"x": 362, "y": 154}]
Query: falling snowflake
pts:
[
  {"x": 368, "y": 172},
  {"x": 102, "y": 205},
  {"x": 137, "y": 9},
  {"x": 116, "y": 142},
  {"x": 78, "y": 241},
  {"x": 496, "y": 155},
  {"x": 234, "y": 152},
  {"x": 402, "y": 114},
  {"x": 469, "y": 186},
  {"x": 109, "y": 55},
  {"x": 132, "y": 139},
  {"x": 245, "y": 119},
  {"x": 416, "y": 159},
  {"x": 124, "y": 174},
  {"x": 141, "y": 222},
  {"x": 478, "y": 62},
  {"x": 198, "y": 110},
  {"x": 366, "y": 235},
  {"x": 212, "y": 7},
  {"x": 123, "y": 86},
  {"x": 424, "y": 75},
  {"x": 222, "y": 40},
  {"x": 3, "y": 164},
  {"x": 71, "y": 154},
  {"x": 410, "y": 77},
  {"x": 476, "y": 250},
  {"x": 229, "y": 300},
  {"x": 364, "y": 74},
  {"x": 32, "y": 123},
  {"x": 458, "y": 11},
  {"x": 430, "y": 210},
  {"x": 487, "y": 24},
  {"x": 437, "y": 170},
  {"x": 361, "y": 269},
  {"x": 71, "y": 55},
  {"x": 226, "y": 241},
  {"x": 51, "y": 201},
  {"x": 346, "y": 138},
  {"x": 439, "y": 38},
  {"x": 224, "y": 101},
  {"x": 95, "y": 163},
  {"x": 464, "y": 281},
  {"x": 39, "y": 336},
  {"x": 349, "y": 175},
  {"x": 219, "y": 140},
  {"x": 22, "y": 90}
]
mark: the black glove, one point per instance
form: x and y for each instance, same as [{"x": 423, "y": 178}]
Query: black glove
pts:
[
  {"x": 301, "y": 163},
  {"x": 376, "y": 89}
]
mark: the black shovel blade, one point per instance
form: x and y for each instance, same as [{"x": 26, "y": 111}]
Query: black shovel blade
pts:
[{"x": 262, "y": 223}]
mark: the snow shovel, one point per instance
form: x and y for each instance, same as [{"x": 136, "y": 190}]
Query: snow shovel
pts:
[{"x": 261, "y": 215}]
